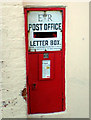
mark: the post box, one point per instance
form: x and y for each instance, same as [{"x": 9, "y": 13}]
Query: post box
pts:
[{"x": 45, "y": 59}]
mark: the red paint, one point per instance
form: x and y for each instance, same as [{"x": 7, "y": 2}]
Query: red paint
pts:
[{"x": 45, "y": 95}]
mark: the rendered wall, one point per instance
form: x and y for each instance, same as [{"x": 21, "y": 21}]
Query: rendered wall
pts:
[
  {"x": 14, "y": 70},
  {"x": 76, "y": 61},
  {"x": 0, "y": 57}
]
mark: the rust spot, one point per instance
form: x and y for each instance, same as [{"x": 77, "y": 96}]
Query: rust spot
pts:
[
  {"x": 8, "y": 101},
  {"x": 5, "y": 105},
  {"x": 24, "y": 93}
]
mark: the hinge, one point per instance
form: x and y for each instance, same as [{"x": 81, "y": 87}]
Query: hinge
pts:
[
  {"x": 27, "y": 79},
  {"x": 62, "y": 102}
]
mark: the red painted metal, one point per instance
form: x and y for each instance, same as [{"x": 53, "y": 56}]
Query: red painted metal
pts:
[
  {"x": 46, "y": 96},
  {"x": 63, "y": 73},
  {"x": 36, "y": 98},
  {"x": 45, "y": 9}
]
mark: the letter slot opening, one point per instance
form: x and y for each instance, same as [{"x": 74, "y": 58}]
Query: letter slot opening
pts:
[{"x": 45, "y": 34}]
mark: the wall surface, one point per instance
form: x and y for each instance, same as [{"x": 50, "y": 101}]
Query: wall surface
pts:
[
  {"x": 0, "y": 57},
  {"x": 76, "y": 61},
  {"x": 14, "y": 70}
]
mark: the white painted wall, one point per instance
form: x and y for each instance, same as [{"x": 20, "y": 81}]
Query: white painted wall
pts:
[
  {"x": 14, "y": 73},
  {"x": 0, "y": 57},
  {"x": 77, "y": 59}
]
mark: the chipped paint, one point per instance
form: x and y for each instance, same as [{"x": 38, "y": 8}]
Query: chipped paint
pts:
[
  {"x": 24, "y": 93},
  {"x": 10, "y": 101}
]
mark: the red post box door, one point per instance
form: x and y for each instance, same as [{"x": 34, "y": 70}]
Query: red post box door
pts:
[{"x": 45, "y": 82}]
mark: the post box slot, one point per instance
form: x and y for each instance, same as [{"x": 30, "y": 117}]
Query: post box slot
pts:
[{"x": 44, "y": 34}]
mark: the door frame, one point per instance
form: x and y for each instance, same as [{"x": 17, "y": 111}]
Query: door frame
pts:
[{"x": 26, "y": 46}]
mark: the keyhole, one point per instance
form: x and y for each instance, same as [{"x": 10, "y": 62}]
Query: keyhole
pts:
[{"x": 34, "y": 85}]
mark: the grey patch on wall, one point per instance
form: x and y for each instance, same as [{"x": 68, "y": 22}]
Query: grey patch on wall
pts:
[{"x": 83, "y": 38}]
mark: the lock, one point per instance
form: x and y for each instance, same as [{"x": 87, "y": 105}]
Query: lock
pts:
[
  {"x": 34, "y": 86},
  {"x": 46, "y": 55}
]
